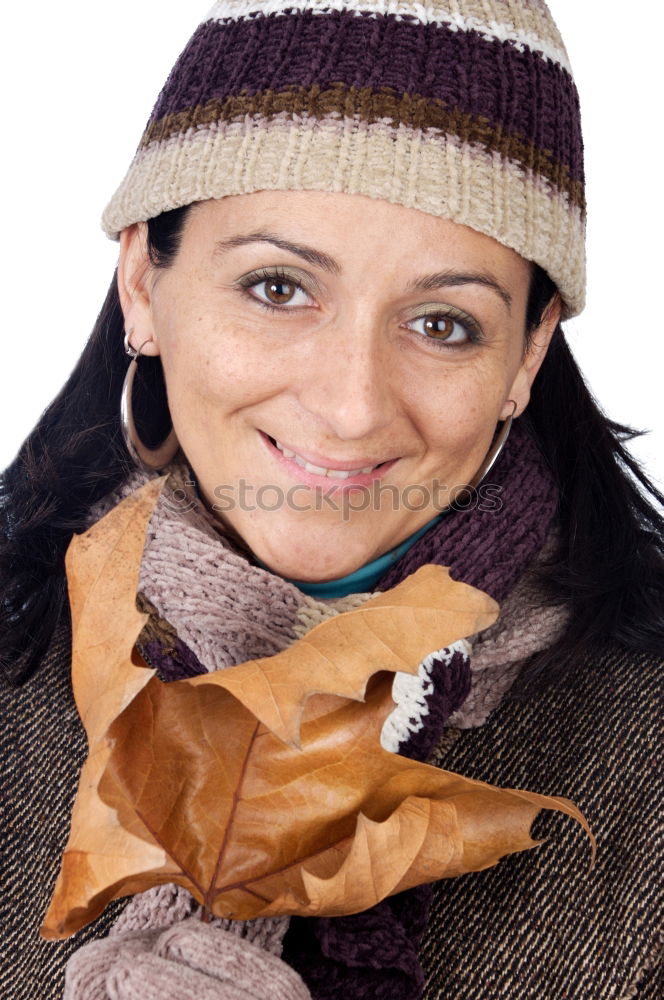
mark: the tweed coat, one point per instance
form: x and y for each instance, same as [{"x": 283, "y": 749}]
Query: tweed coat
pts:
[{"x": 541, "y": 924}]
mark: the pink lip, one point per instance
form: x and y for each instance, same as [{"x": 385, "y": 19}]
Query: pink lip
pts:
[
  {"x": 328, "y": 463},
  {"x": 311, "y": 479}
]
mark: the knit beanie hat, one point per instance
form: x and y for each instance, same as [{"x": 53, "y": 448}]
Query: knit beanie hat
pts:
[{"x": 464, "y": 109}]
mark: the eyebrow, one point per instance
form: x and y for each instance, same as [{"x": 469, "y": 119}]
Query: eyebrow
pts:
[
  {"x": 312, "y": 256},
  {"x": 429, "y": 282},
  {"x": 448, "y": 279}
]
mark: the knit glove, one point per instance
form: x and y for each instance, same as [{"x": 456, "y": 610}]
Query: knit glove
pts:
[{"x": 190, "y": 959}]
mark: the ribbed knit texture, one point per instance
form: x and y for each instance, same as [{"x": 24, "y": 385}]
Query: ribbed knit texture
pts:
[
  {"x": 166, "y": 905},
  {"x": 464, "y": 109},
  {"x": 190, "y": 959},
  {"x": 524, "y": 627}
]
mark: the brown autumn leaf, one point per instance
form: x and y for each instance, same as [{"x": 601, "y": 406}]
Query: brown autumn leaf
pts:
[{"x": 263, "y": 788}]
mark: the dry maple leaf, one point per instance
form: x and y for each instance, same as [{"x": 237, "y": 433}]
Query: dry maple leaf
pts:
[{"x": 263, "y": 788}]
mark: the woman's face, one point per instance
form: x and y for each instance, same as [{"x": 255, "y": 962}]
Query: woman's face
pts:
[{"x": 341, "y": 331}]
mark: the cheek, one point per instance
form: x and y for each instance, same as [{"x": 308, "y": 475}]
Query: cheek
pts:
[
  {"x": 458, "y": 419},
  {"x": 208, "y": 363}
]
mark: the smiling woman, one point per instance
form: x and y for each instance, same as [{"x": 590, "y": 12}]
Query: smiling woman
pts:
[
  {"x": 349, "y": 239},
  {"x": 341, "y": 364}
]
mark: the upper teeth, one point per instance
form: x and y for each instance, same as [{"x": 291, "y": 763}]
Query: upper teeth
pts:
[{"x": 317, "y": 469}]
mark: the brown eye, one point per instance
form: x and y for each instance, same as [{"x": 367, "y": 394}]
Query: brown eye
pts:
[
  {"x": 278, "y": 291},
  {"x": 446, "y": 330},
  {"x": 439, "y": 327}
]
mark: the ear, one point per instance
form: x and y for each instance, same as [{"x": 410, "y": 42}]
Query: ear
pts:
[
  {"x": 135, "y": 276},
  {"x": 533, "y": 358}
]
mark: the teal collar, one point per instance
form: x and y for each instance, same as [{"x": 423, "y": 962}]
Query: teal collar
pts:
[{"x": 363, "y": 579}]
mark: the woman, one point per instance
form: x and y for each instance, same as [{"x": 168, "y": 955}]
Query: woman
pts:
[{"x": 347, "y": 241}]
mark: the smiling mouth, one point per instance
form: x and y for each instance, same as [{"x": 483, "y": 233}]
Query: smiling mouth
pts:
[{"x": 319, "y": 470}]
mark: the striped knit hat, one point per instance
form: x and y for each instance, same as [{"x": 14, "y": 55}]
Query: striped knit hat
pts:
[{"x": 464, "y": 109}]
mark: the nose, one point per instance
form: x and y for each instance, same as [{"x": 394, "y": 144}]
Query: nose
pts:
[{"x": 349, "y": 386}]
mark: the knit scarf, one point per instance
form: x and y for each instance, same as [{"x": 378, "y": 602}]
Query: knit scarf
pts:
[{"x": 210, "y": 607}]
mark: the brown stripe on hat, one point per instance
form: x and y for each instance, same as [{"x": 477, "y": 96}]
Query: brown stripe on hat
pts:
[{"x": 367, "y": 105}]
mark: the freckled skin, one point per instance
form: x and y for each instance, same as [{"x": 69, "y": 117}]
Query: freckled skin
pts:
[{"x": 344, "y": 369}]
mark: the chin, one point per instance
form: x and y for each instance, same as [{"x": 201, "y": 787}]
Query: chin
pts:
[
  {"x": 311, "y": 563},
  {"x": 310, "y": 570}
]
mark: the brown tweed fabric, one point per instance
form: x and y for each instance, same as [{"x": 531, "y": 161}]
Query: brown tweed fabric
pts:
[
  {"x": 541, "y": 925},
  {"x": 42, "y": 750},
  {"x": 537, "y": 926}
]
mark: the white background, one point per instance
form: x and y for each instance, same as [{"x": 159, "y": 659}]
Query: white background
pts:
[{"x": 79, "y": 81}]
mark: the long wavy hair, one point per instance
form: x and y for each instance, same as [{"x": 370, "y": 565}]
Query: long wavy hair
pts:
[{"x": 608, "y": 568}]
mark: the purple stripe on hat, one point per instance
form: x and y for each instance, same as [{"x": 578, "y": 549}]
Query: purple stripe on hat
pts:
[{"x": 517, "y": 91}]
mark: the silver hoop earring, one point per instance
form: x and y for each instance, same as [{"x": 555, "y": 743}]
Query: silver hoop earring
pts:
[
  {"x": 494, "y": 451},
  {"x": 149, "y": 458}
]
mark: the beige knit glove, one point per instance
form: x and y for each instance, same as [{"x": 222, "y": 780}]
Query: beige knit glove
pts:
[{"x": 190, "y": 959}]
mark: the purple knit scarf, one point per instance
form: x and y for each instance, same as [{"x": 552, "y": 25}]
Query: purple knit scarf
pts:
[{"x": 374, "y": 954}]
